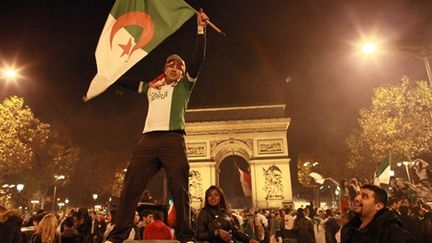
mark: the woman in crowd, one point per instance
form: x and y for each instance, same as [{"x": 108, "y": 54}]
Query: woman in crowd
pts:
[
  {"x": 214, "y": 223},
  {"x": 46, "y": 230}
]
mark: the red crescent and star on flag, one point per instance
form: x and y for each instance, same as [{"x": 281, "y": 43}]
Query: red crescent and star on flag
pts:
[{"x": 140, "y": 19}]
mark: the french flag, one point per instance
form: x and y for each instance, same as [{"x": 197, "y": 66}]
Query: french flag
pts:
[{"x": 245, "y": 180}]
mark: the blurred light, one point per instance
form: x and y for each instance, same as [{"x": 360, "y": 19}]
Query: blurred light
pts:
[
  {"x": 5, "y": 185},
  {"x": 10, "y": 74},
  {"x": 406, "y": 163},
  {"x": 369, "y": 47},
  {"x": 66, "y": 201},
  {"x": 34, "y": 201},
  {"x": 399, "y": 164},
  {"x": 392, "y": 173},
  {"x": 20, "y": 187},
  {"x": 95, "y": 196},
  {"x": 12, "y": 186},
  {"x": 59, "y": 177}
]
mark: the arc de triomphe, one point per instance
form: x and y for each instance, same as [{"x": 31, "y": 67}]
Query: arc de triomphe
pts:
[{"x": 255, "y": 134}]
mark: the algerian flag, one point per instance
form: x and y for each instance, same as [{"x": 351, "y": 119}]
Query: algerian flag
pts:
[
  {"x": 382, "y": 174},
  {"x": 132, "y": 30}
]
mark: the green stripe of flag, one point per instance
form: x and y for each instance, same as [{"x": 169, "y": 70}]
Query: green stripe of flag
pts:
[
  {"x": 167, "y": 16},
  {"x": 383, "y": 165}
]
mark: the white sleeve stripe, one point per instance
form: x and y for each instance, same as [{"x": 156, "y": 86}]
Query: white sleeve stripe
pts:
[
  {"x": 190, "y": 79},
  {"x": 140, "y": 87}
]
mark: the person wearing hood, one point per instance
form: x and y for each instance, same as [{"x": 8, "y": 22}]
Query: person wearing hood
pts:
[
  {"x": 214, "y": 223},
  {"x": 157, "y": 230},
  {"x": 373, "y": 222},
  {"x": 10, "y": 227}
]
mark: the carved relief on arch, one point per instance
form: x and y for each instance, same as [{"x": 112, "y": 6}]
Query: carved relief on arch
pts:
[{"x": 221, "y": 149}]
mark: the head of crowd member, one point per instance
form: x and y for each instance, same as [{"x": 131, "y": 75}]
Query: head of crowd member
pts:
[
  {"x": 68, "y": 223},
  {"x": 404, "y": 210},
  {"x": 215, "y": 198},
  {"x": 11, "y": 214},
  {"x": 175, "y": 68},
  {"x": 320, "y": 212},
  {"x": 47, "y": 228},
  {"x": 148, "y": 216},
  {"x": 393, "y": 181},
  {"x": 394, "y": 204},
  {"x": 344, "y": 183},
  {"x": 301, "y": 213},
  {"x": 38, "y": 217},
  {"x": 328, "y": 213},
  {"x": 2, "y": 209},
  {"x": 354, "y": 181},
  {"x": 370, "y": 200},
  {"x": 136, "y": 218}
]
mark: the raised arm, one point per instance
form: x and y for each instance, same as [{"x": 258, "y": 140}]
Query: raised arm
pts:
[{"x": 200, "y": 46}]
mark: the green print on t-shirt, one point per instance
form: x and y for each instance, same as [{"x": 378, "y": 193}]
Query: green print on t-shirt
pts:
[{"x": 158, "y": 95}]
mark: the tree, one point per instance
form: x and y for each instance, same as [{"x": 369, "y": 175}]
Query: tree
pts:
[
  {"x": 57, "y": 156},
  {"x": 20, "y": 130},
  {"x": 96, "y": 173},
  {"x": 32, "y": 152},
  {"x": 398, "y": 121}
]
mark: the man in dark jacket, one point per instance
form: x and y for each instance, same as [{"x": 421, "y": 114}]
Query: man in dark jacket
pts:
[{"x": 373, "y": 222}]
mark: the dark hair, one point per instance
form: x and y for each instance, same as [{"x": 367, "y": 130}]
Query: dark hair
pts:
[
  {"x": 37, "y": 218},
  {"x": 403, "y": 210},
  {"x": 146, "y": 212},
  {"x": 392, "y": 200},
  {"x": 68, "y": 221},
  {"x": 113, "y": 213},
  {"x": 300, "y": 213},
  {"x": 380, "y": 195},
  {"x": 221, "y": 195},
  {"x": 328, "y": 213}
]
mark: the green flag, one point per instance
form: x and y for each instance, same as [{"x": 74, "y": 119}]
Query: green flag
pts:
[
  {"x": 382, "y": 173},
  {"x": 132, "y": 30}
]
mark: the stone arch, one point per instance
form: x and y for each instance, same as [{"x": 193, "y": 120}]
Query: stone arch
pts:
[
  {"x": 256, "y": 134},
  {"x": 231, "y": 147}
]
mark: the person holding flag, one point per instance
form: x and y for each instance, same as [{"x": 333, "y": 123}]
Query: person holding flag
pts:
[{"x": 162, "y": 144}]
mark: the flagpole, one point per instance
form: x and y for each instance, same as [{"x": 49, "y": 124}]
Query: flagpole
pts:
[{"x": 213, "y": 26}]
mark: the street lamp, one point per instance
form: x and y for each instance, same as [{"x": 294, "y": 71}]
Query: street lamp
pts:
[
  {"x": 425, "y": 58},
  {"x": 371, "y": 48},
  {"x": 406, "y": 164},
  {"x": 57, "y": 178},
  {"x": 9, "y": 73}
]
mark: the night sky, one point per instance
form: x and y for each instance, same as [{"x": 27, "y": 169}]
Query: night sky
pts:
[{"x": 300, "y": 53}]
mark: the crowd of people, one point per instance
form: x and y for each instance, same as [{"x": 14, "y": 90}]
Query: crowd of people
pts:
[{"x": 370, "y": 216}]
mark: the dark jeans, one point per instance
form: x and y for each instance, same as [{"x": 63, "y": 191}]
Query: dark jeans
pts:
[{"x": 154, "y": 151}]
